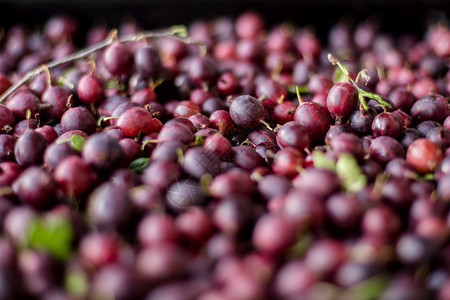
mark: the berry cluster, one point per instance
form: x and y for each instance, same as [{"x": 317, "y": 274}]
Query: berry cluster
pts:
[{"x": 229, "y": 162}]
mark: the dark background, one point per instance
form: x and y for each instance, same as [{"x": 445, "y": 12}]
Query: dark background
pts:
[{"x": 395, "y": 16}]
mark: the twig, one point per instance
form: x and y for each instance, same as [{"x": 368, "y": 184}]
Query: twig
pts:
[{"x": 173, "y": 31}]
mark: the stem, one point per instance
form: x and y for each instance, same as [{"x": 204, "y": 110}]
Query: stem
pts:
[
  {"x": 178, "y": 30},
  {"x": 266, "y": 124},
  {"x": 361, "y": 93},
  {"x": 299, "y": 97}
]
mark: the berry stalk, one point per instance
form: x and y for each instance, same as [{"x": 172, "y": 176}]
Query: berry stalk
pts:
[{"x": 177, "y": 31}]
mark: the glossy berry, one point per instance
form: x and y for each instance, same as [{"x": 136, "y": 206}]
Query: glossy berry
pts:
[
  {"x": 386, "y": 124},
  {"x": 147, "y": 62},
  {"x": 74, "y": 176},
  {"x": 199, "y": 161},
  {"x": 424, "y": 155},
  {"x": 288, "y": 162},
  {"x": 22, "y": 101},
  {"x": 59, "y": 100},
  {"x": 118, "y": 59},
  {"x": 402, "y": 99},
  {"x": 99, "y": 249},
  {"x": 247, "y": 111},
  {"x": 381, "y": 222},
  {"x": 102, "y": 152},
  {"x": 342, "y": 100},
  {"x": 35, "y": 187},
  {"x": 135, "y": 121},
  {"x": 284, "y": 112},
  {"x": 234, "y": 181},
  {"x": 90, "y": 89},
  {"x": 273, "y": 233},
  {"x": 361, "y": 121},
  {"x": 222, "y": 121},
  {"x": 29, "y": 148},
  {"x": 383, "y": 149},
  {"x": 78, "y": 118},
  {"x": 293, "y": 135},
  {"x": 347, "y": 143},
  {"x": 108, "y": 206},
  {"x": 430, "y": 107},
  {"x": 315, "y": 118}
]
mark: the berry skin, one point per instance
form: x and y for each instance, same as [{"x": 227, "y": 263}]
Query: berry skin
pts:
[
  {"x": 90, "y": 89},
  {"x": 118, "y": 59},
  {"x": 135, "y": 121},
  {"x": 424, "y": 155},
  {"x": 247, "y": 111},
  {"x": 342, "y": 100}
]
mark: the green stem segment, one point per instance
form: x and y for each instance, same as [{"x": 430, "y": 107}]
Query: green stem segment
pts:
[{"x": 178, "y": 32}]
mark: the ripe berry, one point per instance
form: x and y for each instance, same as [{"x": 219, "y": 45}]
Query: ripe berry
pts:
[
  {"x": 90, "y": 89},
  {"x": 342, "y": 100},
  {"x": 118, "y": 59},
  {"x": 78, "y": 118},
  {"x": 135, "y": 121},
  {"x": 315, "y": 118},
  {"x": 430, "y": 107},
  {"x": 247, "y": 111},
  {"x": 424, "y": 155}
]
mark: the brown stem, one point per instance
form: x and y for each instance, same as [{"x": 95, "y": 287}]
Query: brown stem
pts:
[{"x": 29, "y": 76}]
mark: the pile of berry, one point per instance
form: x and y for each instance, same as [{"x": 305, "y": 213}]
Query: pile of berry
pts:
[{"x": 226, "y": 161}]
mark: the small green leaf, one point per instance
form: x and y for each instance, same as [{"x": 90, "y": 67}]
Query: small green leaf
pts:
[
  {"x": 369, "y": 289},
  {"x": 321, "y": 161},
  {"x": 339, "y": 76},
  {"x": 180, "y": 155},
  {"x": 115, "y": 84},
  {"x": 179, "y": 30},
  {"x": 77, "y": 142},
  {"x": 325, "y": 291},
  {"x": 53, "y": 235},
  {"x": 301, "y": 89},
  {"x": 139, "y": 164},
  {"x": 427, "y": 177},
  {"x": 205, "y": 181},
  {"x": 199, "y": 141},
  {"x": 348, "y": 170},
  {"x": 301, "y": 246},
  {"x": 76, "y": 283}
]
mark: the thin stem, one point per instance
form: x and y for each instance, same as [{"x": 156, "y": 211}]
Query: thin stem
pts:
[
  {"x": 178, "y": 30},
  {"x": 361, "y": 93},
  {"x": 299, "y": 97}
]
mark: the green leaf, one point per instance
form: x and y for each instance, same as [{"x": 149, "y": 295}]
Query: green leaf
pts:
[
  {"x": 427, "y": 177},
  {"x": 325, "y": 291},
  {"x": 205, "y": 182},
  {"x": 76, "y": 283},
  {"x": 369, "y": 289},
  {"x": 179, "y": 30},
  {"x": 77, "y": 142},
  {"x": 52, "y": 234},
  {"x": 300, "y": 247},
  {"x": 321, "y": 161},
  {"x": 180, "y": 155},
  {"x": 301, "y": 88},
  {"x": 339, "y": 76},
  {"x": 348, "y": 170},
  {"x": 139, "y": 164},
  {"x": 115, "y": 84},
  {"x": 199, "y": 141}
]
